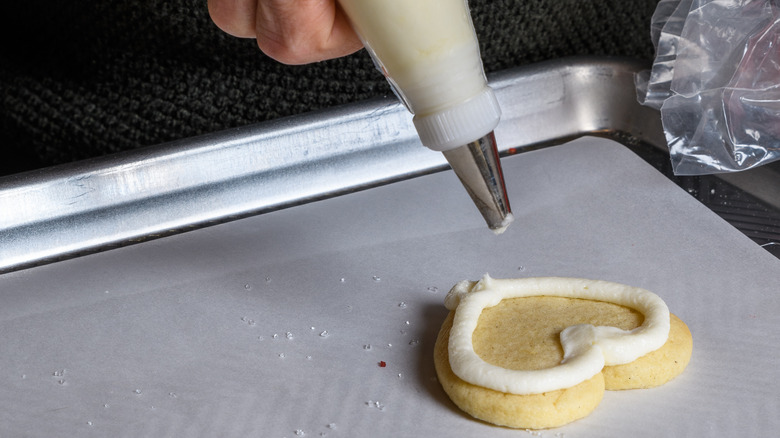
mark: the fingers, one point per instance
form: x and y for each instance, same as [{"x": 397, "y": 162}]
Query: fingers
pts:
[
  {"x": 303, "y": 31},
  {"x": 235, "y": 17},
  {"x": 290, "y": 31}
]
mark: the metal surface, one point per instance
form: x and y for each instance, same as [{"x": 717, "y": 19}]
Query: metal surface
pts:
[
  {"x": 65, "y": 211},
  {"x": 478, "y": 168}
]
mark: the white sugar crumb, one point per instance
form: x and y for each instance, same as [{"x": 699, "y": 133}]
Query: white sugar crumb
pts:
[
  {"x": 375, "y": 404},
  {"x": 540, "y": 434}
]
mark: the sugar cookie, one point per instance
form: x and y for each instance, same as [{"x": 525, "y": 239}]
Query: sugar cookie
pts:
[{"x": 539, "y": 352}]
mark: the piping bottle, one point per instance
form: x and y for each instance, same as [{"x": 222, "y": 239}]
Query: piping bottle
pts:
[{"x": 428, "y": 51}]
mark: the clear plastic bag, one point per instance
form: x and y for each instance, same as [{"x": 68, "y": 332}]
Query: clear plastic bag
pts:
[{"x": 716, "y": 80}]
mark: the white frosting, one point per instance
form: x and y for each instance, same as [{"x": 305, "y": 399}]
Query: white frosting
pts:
[
  {"x": 586, "y": 348},
  {"x": 504, "y": 224},
  {"x": 428, "y": 49}
]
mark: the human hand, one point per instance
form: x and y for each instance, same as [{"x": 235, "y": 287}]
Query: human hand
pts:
[{"x": 290, "y": 31}]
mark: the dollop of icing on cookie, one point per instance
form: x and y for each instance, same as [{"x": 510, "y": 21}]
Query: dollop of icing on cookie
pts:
[{"x": 586, "y": 348}]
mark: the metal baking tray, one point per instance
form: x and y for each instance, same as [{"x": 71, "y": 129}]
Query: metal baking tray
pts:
[{"x": 65, "y": 211}]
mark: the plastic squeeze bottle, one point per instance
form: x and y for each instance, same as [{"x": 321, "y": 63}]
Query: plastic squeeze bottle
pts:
[{"x": 428, "y": 51}]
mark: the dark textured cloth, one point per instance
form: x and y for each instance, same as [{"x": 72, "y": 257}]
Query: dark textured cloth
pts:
[{"x": 83, "y": 79}]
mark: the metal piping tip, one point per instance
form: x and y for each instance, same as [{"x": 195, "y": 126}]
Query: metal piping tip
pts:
[{"x": 478, "y": 167}]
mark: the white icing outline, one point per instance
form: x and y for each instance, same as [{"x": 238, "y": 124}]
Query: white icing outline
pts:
[{"x": 587, "y": 349}]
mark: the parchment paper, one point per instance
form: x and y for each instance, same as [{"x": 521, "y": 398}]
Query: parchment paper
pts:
[{"x": 276, "y": 325}]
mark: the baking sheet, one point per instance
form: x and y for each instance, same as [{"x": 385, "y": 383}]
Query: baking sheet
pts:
[{"x": 275, "y": 325}]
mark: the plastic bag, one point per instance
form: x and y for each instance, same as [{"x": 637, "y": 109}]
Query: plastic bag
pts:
[{"x": 716, "y": 80}]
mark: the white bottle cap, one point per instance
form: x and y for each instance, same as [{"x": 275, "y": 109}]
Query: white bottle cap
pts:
[{"x": 460, "y": 124}]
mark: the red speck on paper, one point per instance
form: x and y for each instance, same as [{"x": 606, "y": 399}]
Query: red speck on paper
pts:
[{"x": 382, "y": 364}]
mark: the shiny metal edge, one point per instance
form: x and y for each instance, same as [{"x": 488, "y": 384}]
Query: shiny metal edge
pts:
[{"x": 80, "y": 208}]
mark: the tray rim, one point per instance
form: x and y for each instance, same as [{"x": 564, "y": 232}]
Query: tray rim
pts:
[{"x": 80, "y": 208}]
